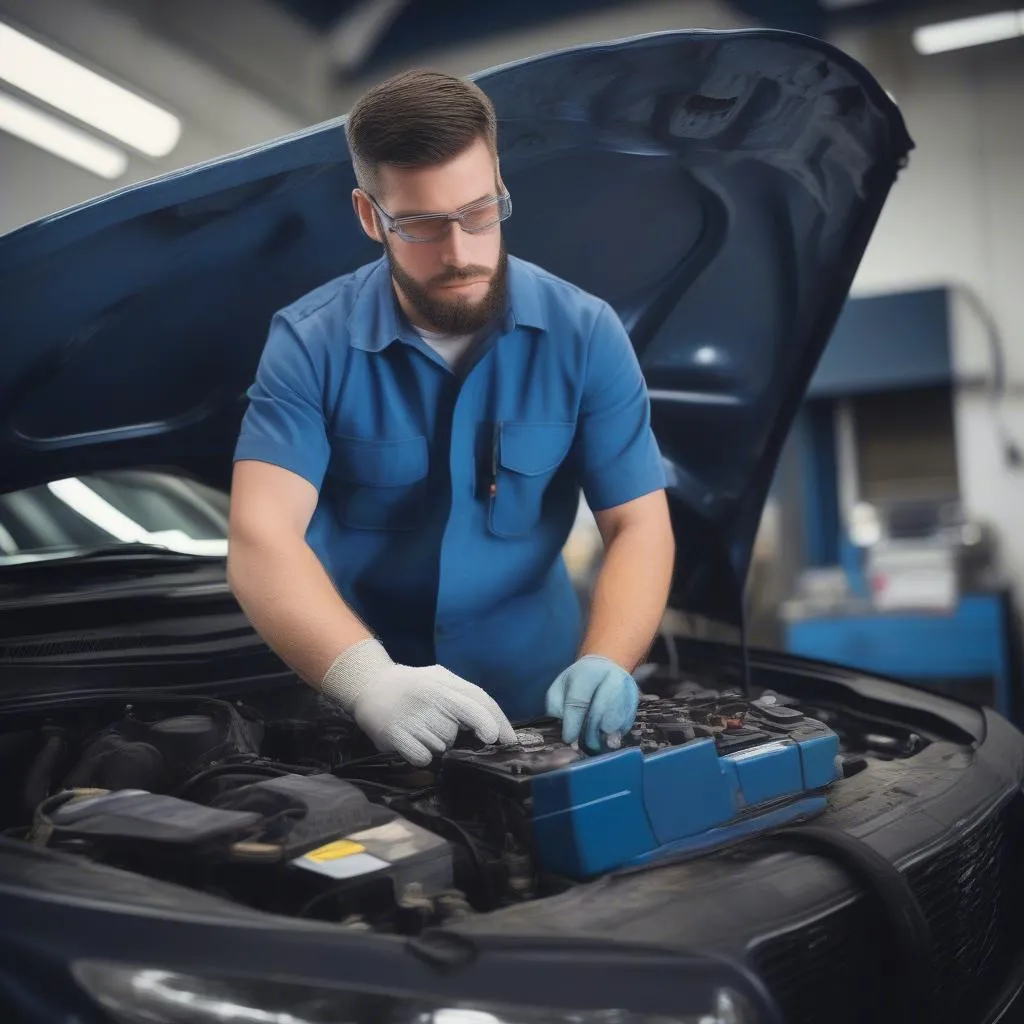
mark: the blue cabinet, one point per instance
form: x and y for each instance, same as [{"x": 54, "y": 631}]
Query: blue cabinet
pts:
[{"x": 970, "y": 644}]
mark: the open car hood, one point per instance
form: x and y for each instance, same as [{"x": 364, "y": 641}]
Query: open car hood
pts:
[{"x": 717, "y": 188}]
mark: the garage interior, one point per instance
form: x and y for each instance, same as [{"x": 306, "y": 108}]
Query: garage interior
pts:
[{"x": 892, "y": 538}]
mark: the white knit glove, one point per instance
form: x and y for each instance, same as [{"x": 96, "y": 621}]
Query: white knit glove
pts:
[{"x": 414, "y": 712}]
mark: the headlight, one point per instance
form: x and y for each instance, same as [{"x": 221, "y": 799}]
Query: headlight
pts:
[{"x": 139, "y": 995}]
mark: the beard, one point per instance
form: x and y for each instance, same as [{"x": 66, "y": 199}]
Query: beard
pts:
[{"x": 458, "y": 315}]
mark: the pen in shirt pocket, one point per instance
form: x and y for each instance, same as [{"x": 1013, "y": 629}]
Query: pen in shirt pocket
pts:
[{"x": 495, "y": 441}]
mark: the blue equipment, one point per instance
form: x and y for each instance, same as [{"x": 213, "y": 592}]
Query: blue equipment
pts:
[{"x": 695, "y": 773}]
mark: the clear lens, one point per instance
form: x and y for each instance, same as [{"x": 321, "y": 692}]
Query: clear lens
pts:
[
  {"x": 474, "y": 220},
  {"x": 422, "y": 229},
  {"x": 136, "y": 995},
  {"x": 482, "y": 217}
]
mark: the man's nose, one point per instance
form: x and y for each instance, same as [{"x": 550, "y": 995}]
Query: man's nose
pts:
[{"x": 454, "y": 247}]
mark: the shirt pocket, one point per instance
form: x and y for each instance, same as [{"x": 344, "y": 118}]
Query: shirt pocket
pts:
[
  {"x": 526, "y": 457},
  {"x": 379, "y": 485}
]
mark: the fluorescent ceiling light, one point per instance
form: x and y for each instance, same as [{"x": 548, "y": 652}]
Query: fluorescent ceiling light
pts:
[
  {"x": 39, "y": 128},
  {"x": 93, "y": 99},
  {"x": 958, "y": 35}
]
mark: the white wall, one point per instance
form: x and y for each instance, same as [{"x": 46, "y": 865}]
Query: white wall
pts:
[{"x": 956, "y": 218}]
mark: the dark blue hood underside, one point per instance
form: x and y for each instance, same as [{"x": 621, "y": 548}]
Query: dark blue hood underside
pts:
[{"x": 718, "y": 189}]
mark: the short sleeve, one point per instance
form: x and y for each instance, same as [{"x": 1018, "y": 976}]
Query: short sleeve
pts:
[
  {"x": 284, "y": 423},
  {"x": 620, "y": 460}
]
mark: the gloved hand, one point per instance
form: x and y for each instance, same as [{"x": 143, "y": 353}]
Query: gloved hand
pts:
[
  {"x": 596, "y": 697},
  {"x": 414, "y": 712}
]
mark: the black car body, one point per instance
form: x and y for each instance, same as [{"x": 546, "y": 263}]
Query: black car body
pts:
[{"x": 719, "y": 190}]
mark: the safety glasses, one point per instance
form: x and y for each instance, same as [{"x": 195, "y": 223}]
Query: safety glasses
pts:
[{"x": 473, "y": 219}]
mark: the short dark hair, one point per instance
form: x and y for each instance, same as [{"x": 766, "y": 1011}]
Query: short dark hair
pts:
[{"x": 417, "y": 118}]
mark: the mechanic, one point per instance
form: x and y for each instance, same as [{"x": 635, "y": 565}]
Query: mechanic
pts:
[{"x": 410, "y": 463}]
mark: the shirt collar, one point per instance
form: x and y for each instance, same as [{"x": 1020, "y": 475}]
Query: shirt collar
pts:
[
  {"x": 374, "y": 321},
  {"x": 524, "y": 296}
]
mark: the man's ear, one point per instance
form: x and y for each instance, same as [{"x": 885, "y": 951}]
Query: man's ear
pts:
[{"x": 366, "y": 214}]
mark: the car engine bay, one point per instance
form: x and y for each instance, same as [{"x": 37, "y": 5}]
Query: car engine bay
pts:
[{"x": 278, "y": 803}]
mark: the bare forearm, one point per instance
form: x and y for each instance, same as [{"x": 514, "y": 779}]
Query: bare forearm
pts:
[
  {"x": 630, "y": 595},
  {"x": 290, "y": 600}
]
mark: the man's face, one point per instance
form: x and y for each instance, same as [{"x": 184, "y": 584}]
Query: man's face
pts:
[{"x": 457, "y": 283}]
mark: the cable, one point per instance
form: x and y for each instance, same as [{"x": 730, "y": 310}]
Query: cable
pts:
[
  {"x": 249, "y": 764},
  {"x": 320, "y": 897},
  {"x": 387, "y": 789},
  {"x": 368, "y": 761},
  {"x": 439, "y": 823},
  {"x": 266, "y": 831},
  {"x": 43, "y": 770},
  {"x": 222, "y": 768},
  {"x": 1012, "y": 451},
  {"x": 905, "y": 921},
  {"x": 744, "y": 652}
]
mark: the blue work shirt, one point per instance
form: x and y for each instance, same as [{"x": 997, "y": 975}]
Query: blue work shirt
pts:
[{"x": 445, "y": 499}]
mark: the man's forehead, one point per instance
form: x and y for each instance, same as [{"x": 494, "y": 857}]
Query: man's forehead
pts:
[
  {"x": 441, "y": 188},
  {"x": 411, "y": 208}
]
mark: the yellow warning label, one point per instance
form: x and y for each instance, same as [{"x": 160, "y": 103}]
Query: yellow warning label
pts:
[{"x": 334, "y": 851}]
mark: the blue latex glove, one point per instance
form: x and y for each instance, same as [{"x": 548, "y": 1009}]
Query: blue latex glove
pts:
[{"x": 594, "y": 696}]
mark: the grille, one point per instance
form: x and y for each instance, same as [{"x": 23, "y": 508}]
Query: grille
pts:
[
  {"x": 836, "y": 970},
  {"x": 67, "y": 646},
  {"x": 27, "y": 649},
  {"x": 806, "y": 970},
  {"x": 971, "y": 894}
]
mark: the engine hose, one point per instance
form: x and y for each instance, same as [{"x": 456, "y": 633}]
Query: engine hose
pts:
[
  {"x": 905, "y": 921},
  {"x": 255, "y": 769},
  {"x": 42, "y": 824},
  {"x": 44, "y": 769}
]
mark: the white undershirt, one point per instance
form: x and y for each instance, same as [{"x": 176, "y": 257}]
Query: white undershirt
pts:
[{"x": 452, "y": 348}]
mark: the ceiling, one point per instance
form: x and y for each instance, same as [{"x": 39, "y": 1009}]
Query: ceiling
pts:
[
  {"x": 240, "y": 71},
  {"x": 402, "y": 28},
  {"x": 824, "y": 17},
  {"x": 449, "y": 20}
]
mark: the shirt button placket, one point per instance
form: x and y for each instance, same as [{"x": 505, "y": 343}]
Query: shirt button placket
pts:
[{"x": 451, "y": 395}]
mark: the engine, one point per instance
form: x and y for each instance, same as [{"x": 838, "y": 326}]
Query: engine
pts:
[
  {"x": 284, "y": 809},
  {"x": 279, "y": 803}
]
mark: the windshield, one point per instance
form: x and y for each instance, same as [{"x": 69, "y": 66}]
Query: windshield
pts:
[
  {"x": 133, "y": 507},
  {"x": 135, "y": 512}
]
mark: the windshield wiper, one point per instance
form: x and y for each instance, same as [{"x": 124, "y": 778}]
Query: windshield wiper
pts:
[{"x": 127, "y": 552}]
